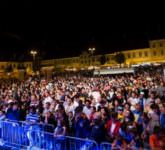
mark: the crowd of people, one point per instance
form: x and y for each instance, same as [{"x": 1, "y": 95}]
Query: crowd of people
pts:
[{"x": 125, "y": 110}]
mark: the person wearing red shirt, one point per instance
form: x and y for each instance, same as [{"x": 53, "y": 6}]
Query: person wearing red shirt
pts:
[{"x": 112, "y": 127}]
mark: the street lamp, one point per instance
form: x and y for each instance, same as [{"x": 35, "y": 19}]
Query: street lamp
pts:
[
  {"x": 92, "y": 50},
  {"x": 33, "y": 53}
]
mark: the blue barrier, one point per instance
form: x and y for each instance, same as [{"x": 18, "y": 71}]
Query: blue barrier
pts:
[
  {"x": 105, "y": 146},
  {"x": 22, "y": 134},
  {"x": 25, "y": 135}
]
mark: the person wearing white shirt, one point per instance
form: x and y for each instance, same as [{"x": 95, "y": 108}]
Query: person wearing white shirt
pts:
[
  {"x": 47, "y": 99},
  {"x": 87, "y": 109},
  {"x": 69, "y": 107}
]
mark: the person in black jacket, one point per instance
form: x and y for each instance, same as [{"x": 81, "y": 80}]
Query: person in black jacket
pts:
[{"x": 98, "y": 129}]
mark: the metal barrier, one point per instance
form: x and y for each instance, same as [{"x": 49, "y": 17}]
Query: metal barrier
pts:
[
  {"x": 50, "y": 142},
  {"x": 23, "y": 134},
  {"x": 12, "y": 134},
  {"x": 105, "y": 146},
  {"x": 81, "y": 144},
  {"x": 26, "y": 135}
]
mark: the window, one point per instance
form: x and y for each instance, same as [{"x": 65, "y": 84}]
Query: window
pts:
[
  {"x": 162, "y": 52},
  {"x": 140, "y": 54},
  {"x": 133, "y": 55},
  {"x": 153, "y": 45},
  {"x": 146, "y": 54},
  {"x": 154, "y": 53},
  {"x": 161, "y": 44},
  {"x": 13, "y": 65},
  {"x": 129, "y": 56}
]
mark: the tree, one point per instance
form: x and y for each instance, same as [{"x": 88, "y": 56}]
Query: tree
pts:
[
  {"x": 103, "y": 60},
  {"x": 120, "y": 58}
]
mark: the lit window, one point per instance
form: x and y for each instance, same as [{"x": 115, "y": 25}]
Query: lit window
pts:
[
  {"x": 140, "y": 54},
  {"x": 162, "y": 52},
  {"x": 146, "y": 54},
  {"x": 154, "y": 53},
  {"x": 134, "y": 55},
  {"x": 129, "y": 56}
]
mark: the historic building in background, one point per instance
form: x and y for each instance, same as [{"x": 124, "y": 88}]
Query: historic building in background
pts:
[
  {"x": 86, "y": 61},
  {"x": 154, "y": 54}
]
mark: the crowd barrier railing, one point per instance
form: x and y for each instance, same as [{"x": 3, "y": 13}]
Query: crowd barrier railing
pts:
[
  {"x": 105, "y": 146},
  {"x": 26, "y": 135},
  {"x": 22, "y": 133}
]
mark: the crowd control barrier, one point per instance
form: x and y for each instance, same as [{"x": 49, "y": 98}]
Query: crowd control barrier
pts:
[
  {"x": 105, "y": 146},
  {"x": 25, "y": 135}
]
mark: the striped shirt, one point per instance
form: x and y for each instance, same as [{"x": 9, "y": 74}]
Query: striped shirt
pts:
[{"x": 32, "y": 118}]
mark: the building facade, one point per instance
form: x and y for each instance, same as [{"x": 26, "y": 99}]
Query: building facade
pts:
[
  {"x": 154, "y": 54},
  {"x": 15, "y": 69}
]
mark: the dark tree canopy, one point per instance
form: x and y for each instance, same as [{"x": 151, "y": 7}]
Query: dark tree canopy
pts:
[
  {"x": 102, "y": 60},
  {"x": 120, "y": 58}
]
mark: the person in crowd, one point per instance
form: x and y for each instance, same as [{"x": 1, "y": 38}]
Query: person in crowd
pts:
[
  {"x": 162, "y": 116},
  {"x": 154, "y": 139},
  {"x": 32, "y": 120},
  {"x": 71, "y": 120},
  {"x": 128, "y": 106},
  {"x": 112, "y": 127},
  {"x": 82, "y": 126},
  {"x": 13, "y": 113},
  {"x": 87, "y": 108},
  {"x": 97, "y": 129}
]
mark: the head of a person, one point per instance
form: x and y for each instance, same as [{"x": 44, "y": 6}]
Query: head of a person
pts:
[
  {"x": 93, "y": 109},
  {"x": 157, "y": 101},
  {"x": 46, "y": 94},
  {"x": 2, "y": 113},
  {"x": 70, "y": 114},
  {"x": 162, "y": 108},
  {"x": 154, "y": 107},
  {"x": 103, "y": 111},
  {"x": 141, "y": 95},
  {"x": 97, "y": 118},
  {"x": 33, "y": 97},
  {"x": 152, "y": 95},
  {"x": 134, "y": 94},
  {"x": 15, "y": 106},
  {"x": 32, "y": 110},
  {"x": 69, "y": 101},
  {"x": 83, "y": 90},
  {"x": 120, "y": 110},
  {"x": 87, "y": 103},
  {"x": 116, "y": 103},
  {"x": 47, "y": 105},
  {"x": 137, "y": 107},
  {"x": 127, "y": 106}
]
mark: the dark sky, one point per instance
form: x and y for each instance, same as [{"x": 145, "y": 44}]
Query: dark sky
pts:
[{"x": 70, "y": 30}]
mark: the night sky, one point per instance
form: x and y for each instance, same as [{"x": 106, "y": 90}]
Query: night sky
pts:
[{"x": 70, "y": 31}]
